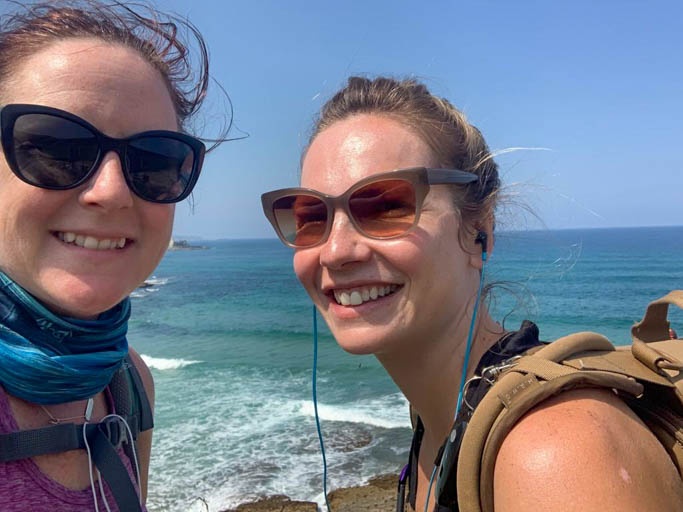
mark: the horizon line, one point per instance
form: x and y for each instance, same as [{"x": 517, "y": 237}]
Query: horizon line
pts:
[{"x": 199, "y": 237}]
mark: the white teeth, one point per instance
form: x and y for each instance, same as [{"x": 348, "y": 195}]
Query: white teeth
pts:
[
  {"x": 357, "y": 296},
  {"x": 90, "y": 242},
  {"x": 356, "y": 299}
]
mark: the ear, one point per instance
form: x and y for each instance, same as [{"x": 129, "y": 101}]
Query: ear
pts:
[{"x": 486, "y": 228}]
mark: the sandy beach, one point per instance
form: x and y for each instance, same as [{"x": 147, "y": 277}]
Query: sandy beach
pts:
[{"x": 378, "y": 495}]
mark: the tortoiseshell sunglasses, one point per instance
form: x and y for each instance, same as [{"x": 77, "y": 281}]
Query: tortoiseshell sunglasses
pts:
[{"x": 381, "y": 206}]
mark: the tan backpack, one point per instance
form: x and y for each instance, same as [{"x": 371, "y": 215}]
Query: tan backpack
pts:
[{"x": 648, "y": 376}]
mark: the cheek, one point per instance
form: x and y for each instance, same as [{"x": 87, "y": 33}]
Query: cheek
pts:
[
  {"x": 415, "y": 254},
  {"x": 158, "y": 218},
  {"x": 306, "y": 266},
  {"x": 26, "y": 212},
  {"x": 429, "y": 257}
]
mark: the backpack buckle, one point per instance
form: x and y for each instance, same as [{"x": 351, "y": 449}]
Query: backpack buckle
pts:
[
  {"x": 114, "y": 431},
  {"x": 489, "y": 375}
]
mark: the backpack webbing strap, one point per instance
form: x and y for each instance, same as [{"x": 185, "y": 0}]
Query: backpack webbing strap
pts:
[
  {"x": 31, "y": 443},
  {"x": 25, "y": 444},
  {"x": 654, "y": 326},
  {"x": 131, "y": 402},
  {"x": 121, "y": 392},
  {"x": 130, "y": 397},
  {"x": 516, "y": 392},
  {"x": 146, "y": 420},
  {"x": 113, "y": 471}
]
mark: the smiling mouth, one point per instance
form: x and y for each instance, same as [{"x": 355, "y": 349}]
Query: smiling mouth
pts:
[
  {"x": 91, "y": 242},
  {"x": 358, "y": 296}
]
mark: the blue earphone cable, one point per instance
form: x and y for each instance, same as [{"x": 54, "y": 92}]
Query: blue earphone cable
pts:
[
  {"x": 460, "y": 393},
  {"x": 429, "y": 489},
  {"x": 315, "y": 403},
  {"x": 465, "y": 364},
  {"x": 469, "y": 337}
]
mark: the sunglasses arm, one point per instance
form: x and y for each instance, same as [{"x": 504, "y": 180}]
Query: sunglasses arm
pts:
[{"x": 444, "y": 176}]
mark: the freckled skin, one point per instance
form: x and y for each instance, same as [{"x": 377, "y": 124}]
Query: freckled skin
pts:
[
  {"x": 119, "y": 93},
  {"x": 569, "y": 454},
  {"x": 584, "y": 450},
  {"x": 340, "y": 156}
]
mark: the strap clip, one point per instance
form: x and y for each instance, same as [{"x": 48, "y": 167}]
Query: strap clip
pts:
[{"x": 114, "y": 431}]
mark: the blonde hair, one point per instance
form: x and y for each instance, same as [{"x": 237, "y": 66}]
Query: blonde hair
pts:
[{"x": 454, "y": 141}]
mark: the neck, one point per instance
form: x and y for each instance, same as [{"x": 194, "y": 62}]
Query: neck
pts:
[{"x": 430, "y": 379}]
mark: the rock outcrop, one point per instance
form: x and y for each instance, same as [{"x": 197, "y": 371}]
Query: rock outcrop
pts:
[{"x": 378, "y": 495}]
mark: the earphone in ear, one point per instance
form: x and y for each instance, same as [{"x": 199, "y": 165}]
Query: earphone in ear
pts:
[{"x": 482, "y": 238}]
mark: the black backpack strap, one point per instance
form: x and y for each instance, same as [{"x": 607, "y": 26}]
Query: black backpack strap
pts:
[
  {"x": 112, "y": 470},
  {"x": 131, "y": 402},
  {"x": 25, "y": 444},
  {"x": 31, "y": 443},
  {"x": 130, "y": 397},
  {"x": 144, "y": 409},
  {"x": 103, "y": 440}
]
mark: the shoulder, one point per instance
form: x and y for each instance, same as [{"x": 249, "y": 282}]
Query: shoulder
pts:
[
  {"x": 584, "y": 450},
  {"x": 145, "y": 374}
]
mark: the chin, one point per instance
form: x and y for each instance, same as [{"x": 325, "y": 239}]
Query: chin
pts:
[
  {"x": 85, "y": 299},
  {"x": 362, "y": 342}
]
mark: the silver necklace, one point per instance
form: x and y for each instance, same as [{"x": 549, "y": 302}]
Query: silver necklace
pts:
[{"x": 87, "y": 414}]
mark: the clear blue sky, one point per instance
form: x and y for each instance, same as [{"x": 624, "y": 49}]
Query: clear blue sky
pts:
[{"x": 598, "y": 83}]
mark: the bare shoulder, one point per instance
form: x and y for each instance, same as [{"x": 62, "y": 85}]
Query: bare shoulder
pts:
[
  {"x": 145, "y": 374},
  {"x": 584, "y": 450}
]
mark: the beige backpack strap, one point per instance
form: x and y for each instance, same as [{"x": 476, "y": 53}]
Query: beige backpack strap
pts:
[
  {"x": 578, "y": 361},
  {"x": 654, "y": 326},
  {"x": 534, "y": 379},
  {"x": 651, "y": 344}
]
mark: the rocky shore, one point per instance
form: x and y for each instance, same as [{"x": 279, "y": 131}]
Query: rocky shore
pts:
[{"x": 378, "y": 495}]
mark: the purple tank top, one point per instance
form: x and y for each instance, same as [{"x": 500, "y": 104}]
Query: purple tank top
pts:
[{"x": 23, "y": 486}]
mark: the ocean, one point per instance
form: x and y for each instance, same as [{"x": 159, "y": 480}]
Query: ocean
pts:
[{"x": 227, "y": 334}]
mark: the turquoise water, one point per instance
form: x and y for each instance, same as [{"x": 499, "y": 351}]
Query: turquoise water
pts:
[{"x": 227, "y": 332}]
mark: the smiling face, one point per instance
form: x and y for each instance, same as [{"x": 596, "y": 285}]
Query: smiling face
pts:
[
  {"x": 81, "y": 251},
  {"x": 421, "y": 281}
]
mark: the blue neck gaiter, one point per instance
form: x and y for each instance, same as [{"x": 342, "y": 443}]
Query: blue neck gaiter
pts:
[{"x": 50, "y": 359}]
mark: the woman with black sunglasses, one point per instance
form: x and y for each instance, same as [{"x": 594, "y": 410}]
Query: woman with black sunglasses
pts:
[
  {"x": 392, "y": 229},
  {"x": 95, "y": 98}
]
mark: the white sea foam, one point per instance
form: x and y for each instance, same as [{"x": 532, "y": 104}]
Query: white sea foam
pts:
[
  {"x": 156, "y": 281},
  {"x": 150, "y": 285},
  {"x": 159, "y": 363},
  {"x": 233, "y": 435},
  {"x": 389, "y": 412}
]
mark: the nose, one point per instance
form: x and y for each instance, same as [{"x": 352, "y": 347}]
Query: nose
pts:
[
  {"x": 344, "y": 244},
  {"x": 107, "y": 188}
]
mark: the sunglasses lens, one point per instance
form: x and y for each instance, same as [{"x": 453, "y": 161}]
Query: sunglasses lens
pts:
[
  {"x": 385, "y": 208},
  {"x": 161, "y": 168},
  {"x": 301, "y": 219},
  {"x": 51, "y": 151}
]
